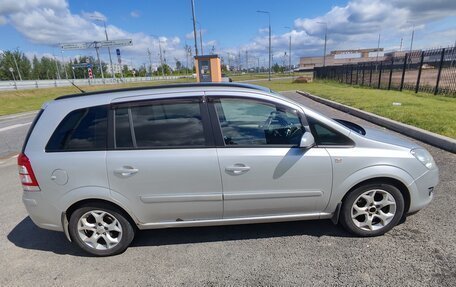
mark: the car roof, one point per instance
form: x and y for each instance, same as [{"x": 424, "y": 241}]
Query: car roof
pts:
[{"x": 170, "y": 86}]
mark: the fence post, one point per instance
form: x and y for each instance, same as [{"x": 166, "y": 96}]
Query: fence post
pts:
[
  {"x": 370, "y": 75},
  {"x": 357, "y": 72},
  {"x": 440, "y": 72},
  {"x": 391, "y": 73},
  {"x": 417, "y": 87},
  {"x": 380, "y": 75},
  {"x": 351, "y": 75},
  {"x": 362, "y": 79},
  {"x": 403, "y": 72}
]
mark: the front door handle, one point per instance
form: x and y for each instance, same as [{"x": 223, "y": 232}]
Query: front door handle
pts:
[
  {"x": 126, "y": 171},
  {"x": 238, "y": 168}
]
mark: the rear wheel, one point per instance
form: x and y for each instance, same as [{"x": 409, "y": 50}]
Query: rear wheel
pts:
[
  {"x": 101, "y": 230},
  {"x": 372, "y": 209}
]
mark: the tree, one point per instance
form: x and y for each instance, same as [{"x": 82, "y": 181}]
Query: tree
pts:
[{"x": 8, "y": 59}]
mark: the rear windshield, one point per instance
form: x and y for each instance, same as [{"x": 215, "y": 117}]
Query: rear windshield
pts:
[{"x": 81, "y": 130}]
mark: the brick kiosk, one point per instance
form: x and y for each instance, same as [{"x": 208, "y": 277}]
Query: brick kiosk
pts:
[{"x": 209, "y": 68}]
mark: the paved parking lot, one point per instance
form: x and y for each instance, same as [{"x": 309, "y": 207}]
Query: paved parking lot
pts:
[{"x": 420, "y": 252}]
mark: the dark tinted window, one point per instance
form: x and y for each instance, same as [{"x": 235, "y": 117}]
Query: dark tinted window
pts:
[
  {"x": 81, "y": 130},
  {"x": 325, "y": 135},
  {"x": 168, "y": 125},
  {"x": 122, "y": 129},
  {"x": 250, "y": 122}
]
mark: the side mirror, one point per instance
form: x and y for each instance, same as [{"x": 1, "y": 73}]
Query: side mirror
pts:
[{"x": 307, "y": 140}]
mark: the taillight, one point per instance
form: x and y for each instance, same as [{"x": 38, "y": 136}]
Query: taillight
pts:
[{"x": 28, "y": 179}]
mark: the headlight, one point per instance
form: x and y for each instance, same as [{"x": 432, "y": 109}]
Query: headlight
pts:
[{"x": 424, "y": 157}]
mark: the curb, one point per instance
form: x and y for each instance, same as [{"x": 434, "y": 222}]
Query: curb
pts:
[{"x": 436, "y": 140}]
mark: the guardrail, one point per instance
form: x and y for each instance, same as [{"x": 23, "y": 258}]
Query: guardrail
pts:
[{"x": 36, "y": 84}]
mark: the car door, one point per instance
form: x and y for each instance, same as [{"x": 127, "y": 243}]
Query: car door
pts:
[
  {"x": 264, "y": 172},
  {"x": 163, "y": 160}
]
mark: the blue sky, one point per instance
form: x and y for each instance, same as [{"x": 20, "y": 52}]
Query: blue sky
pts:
[{"x": 230, "y": 27}]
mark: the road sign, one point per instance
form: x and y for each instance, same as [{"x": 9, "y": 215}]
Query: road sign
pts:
[
  {"x": 11, "y": 70},
  {"x": 119, "y": 60},
  {"x": 82, "y": 65},
  {"x": 90, "y": 73},
  {"x": 96, "y": 44}
]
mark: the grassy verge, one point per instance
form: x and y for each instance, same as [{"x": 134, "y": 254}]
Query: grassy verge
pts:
[
  {"x": 433, "y": 113},
  {"x": 29, "y": 100},
  {"x": 255, "y": 76}
]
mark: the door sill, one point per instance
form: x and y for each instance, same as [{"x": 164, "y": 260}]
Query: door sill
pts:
[{"x": 234, "y": 221}]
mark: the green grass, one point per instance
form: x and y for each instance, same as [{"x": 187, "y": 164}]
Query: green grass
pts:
[
  {"x": 433, "y": 113},
  {"x": 255, "y": 76}
]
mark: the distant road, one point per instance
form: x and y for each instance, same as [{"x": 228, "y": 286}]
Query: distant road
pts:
[{"x": 13, "y": 129}]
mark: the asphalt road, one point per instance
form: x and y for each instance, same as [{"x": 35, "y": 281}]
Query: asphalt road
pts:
[
  {"x": 419, "y": 252},
  {"x": 12, "y": 132}
]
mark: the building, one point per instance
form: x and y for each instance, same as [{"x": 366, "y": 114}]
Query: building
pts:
[{"x": 342, "y": 57}]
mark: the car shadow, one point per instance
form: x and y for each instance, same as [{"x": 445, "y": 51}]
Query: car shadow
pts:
[{"x": 28, "y": 236}]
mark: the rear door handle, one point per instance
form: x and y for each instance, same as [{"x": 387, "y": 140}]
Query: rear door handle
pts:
[
  {"x": 126, "y": 171},
  {"x": 237, "y": 168}
]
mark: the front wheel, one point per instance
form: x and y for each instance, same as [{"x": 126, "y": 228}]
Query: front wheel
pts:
[
  {"x": 100, "y": 230},
  {"x": 372, "y": 209}
]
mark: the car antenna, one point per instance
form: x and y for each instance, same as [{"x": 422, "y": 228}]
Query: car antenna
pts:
[{"x": 81, "y": 90}]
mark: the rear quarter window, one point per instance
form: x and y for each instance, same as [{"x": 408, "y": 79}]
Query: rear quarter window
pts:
[{"x": 81, "y": 130}]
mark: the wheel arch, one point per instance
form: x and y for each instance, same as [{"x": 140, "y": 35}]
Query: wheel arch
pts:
[
  {"x": 385, "y": 180},
  {"x": 98, "y": 201}
]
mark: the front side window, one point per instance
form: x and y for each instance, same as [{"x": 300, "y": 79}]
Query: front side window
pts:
[
  {"x": 161, "y": 124},
  {"x": 325, "y": 135},
  {"x": 246, "y": 122},
  {"x": 81, "y": 130}
]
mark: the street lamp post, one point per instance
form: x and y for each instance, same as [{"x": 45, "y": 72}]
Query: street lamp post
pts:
[
  {"x": 411, "y": 41},
  {"x": 107, "y": 39},
  {"x": 269, "y": 18},
  {"x": 289, "y": 50},
  {"x": 326, "y": 37},
  {"x": 194, "y": 27},
  {"x": 201, "y": 38}
]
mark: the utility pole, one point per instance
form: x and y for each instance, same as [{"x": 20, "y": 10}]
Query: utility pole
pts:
[
  {"x": 63, "y": 63},
  {"x": 17, "y": 67},
  {"x": 411, "y": 41},
  {"x": 150, "y": 61},
  {"x": 194, "y": 27},
  {"x": 326, "y": 38},
  {"x": 400, "y": 47},
  {"x": 289, "y": 50},
  {"x": 57, "y": 67},
  {"x": 99, "y": 61},
  {"x": 161, "y": 58},
  {"x": 247, "y": 60},
  {"x": 378, "y": 49},
  {"x": 270, "y": 56}
]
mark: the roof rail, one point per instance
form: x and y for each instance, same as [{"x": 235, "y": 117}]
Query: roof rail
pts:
[{"x": 185, "y": 85}]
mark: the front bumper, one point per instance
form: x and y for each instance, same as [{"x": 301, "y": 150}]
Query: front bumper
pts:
[{"x": 422, "y": 190}]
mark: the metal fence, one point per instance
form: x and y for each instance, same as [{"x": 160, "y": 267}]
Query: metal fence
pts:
[
  {"x": 431, "y": 71},
  {"x": 32, "y": 84}
]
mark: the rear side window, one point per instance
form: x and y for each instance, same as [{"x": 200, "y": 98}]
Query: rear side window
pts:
[
  {"x": 81, "y": 130},
  {"x": 160, "y": 125}
]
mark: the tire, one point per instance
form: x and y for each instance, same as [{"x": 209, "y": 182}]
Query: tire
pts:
[
  {"x": 372, "y": 209},
  {"x": 101, "y": 229}
]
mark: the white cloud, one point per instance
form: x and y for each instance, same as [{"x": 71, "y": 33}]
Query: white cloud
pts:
[
  {"x": 135, "y": 14},
  {"x": 3, "y": 20},
  {"x": 51, "y": 22}
]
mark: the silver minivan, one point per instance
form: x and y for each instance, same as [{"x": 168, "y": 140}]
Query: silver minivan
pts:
[{"x": 100, "y": 166}]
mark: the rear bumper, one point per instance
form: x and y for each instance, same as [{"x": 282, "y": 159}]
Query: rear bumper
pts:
[
  {"x": 422, "y": 190},
  {"x": 43, "y": 214}
]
